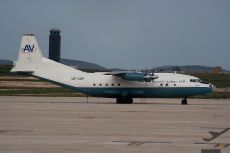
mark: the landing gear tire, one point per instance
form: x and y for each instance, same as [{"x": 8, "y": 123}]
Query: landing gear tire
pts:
[
  {"x": 119, "y": 100},
  {"x": 184, "y": 101},
  {"x": 124, "y": 100},
  {"x": 129, "y": 100}
]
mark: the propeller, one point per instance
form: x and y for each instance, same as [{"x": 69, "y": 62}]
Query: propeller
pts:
[{"x": 149, "y": 76}]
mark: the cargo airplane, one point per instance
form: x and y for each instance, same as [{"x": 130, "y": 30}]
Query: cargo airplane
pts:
[{"x": 122, "y": 85}]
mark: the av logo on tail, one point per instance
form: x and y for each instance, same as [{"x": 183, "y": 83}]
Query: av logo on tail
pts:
[{"x": 28, "y": 48}]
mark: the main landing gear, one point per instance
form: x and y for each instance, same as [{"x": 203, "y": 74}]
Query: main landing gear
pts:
[
  {"x": 124, "y": 100},
  {"x": 184, "y": 101},
  {"x": 129, "y": 100}
]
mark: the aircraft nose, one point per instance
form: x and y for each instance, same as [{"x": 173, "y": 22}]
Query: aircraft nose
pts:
[{"x": 212, "y": 87}]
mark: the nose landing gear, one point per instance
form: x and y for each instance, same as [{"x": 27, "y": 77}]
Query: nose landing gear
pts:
[
  {"x": 184, "y": 101},
  {"x": 124, "y": 100}
]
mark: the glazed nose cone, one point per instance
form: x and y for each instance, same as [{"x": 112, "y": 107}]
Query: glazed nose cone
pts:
[{"x": 212, "y": 87}]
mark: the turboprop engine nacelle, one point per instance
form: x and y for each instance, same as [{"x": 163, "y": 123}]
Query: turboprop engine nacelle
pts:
[{"x": 139, "y": 77}]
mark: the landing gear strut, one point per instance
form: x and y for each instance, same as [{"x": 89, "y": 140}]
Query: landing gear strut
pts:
[
  {"x": 184, "y": 101},
  {"x": 124, "y": 100}
]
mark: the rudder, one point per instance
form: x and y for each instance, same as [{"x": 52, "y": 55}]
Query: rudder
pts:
[{"x": 29, "y": 54}]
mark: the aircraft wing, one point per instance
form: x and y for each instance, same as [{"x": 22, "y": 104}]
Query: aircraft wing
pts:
[
  {"x": 132, "y": 76},
  {"x": 119, "y": 73}
]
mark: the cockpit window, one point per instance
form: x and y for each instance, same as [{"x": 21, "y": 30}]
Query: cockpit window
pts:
[
  {"x": 192, "y": 80},
  {"x": 198, "y": 80},
  {"x": 203, "y": 82}
]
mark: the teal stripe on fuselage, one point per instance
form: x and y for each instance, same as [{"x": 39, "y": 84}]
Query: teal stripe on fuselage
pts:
[{"x": 157, "y": 92}]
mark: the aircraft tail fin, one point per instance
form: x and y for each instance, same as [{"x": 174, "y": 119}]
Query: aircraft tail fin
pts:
[{"x": 29, "y": 54}]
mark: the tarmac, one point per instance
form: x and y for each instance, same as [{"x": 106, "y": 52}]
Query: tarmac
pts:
[{"x": 99, "y": 125}]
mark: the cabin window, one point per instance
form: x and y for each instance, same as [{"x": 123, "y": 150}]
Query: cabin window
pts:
[
  {"x": 100, "y": 84},
  {"x": 73, "y": 78},
  {"x": 174, "y": 84},
  {"x": 112, "y": 84},
  {"x": 119, "y": 84},
  {"x": 166, "y": 84},
  {"x": 94, "y": 84},
  {"x": 106, "y": 84},
  {"x": 161, "y": 84}
]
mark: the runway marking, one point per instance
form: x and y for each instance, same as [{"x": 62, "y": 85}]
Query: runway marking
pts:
[
  {"x": 214, "y": 128},
  {"x": 214, "y": 136},
  {"x": 138, "y": 143},
  {"x": 216, "y": 145}
]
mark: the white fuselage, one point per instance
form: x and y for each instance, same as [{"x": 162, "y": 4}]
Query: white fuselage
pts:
[
  {"x": 120, "y": 85},
  {"x": 98, "y": 84}
]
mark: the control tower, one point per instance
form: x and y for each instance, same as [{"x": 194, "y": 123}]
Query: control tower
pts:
[{"x": 55, "y": 45}]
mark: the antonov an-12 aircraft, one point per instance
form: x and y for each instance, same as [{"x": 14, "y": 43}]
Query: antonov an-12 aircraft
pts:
[{"x": 122, "y": 85}]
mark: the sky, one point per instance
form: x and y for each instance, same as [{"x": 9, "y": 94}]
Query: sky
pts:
[{"x": 130, "y": 34}]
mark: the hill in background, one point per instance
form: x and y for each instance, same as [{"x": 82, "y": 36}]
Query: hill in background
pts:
[
  {"x": 186, "y": 68},
  {"x": 92, "y": 67},
  {"x": 83, "y": 65},
  {"x": 5, "y": 62}
]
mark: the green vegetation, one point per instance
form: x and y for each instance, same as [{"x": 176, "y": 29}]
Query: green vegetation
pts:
[
  {"x": 20, "y": 79},
  {"x": 219, "y": 80},
  {"x": 5, "y": 70},
  {"x": 215, "y": 95},
  {"x": 55, "y": 92}
]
